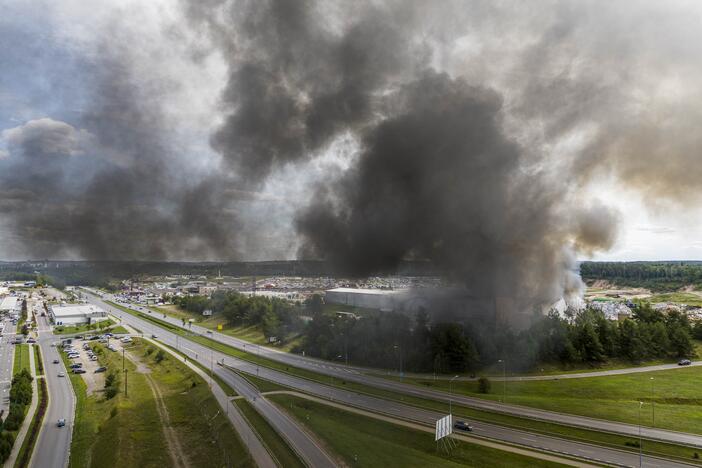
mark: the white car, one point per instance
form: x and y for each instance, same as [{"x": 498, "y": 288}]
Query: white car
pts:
[{"x": 61, "y": 374}]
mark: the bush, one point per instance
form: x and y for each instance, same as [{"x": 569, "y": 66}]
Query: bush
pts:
[
  {"x": 149, "y": 351},
  {"x": 160, "y": 356},
  {"x": 111, "y": 392},
  {"x": 113, "y": 413},
  {"x": 484, "y": 385},
  {"x": 110, "y": 380}
]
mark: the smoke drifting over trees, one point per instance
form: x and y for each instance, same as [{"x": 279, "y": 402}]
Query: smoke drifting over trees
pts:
[{"x": 462, "y": 132}]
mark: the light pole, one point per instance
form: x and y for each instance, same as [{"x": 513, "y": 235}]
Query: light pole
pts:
[
  {"x": 640, "y": 444},
  {"x": 451, "y": 393},
  {"x": 653, "y": 403},
  {"x": 504, "y": 380},
  {"x": 399, "y": 349}
]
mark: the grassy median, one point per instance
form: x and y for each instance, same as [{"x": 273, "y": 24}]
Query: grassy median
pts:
[
  {"x": 275, "y": 444},
  {"x": 367, "y": 442},
  {"x": 21, "y": 358}
]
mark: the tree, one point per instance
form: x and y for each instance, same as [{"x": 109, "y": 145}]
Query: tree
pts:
[
  {"x": 160, "y": 356},
  {"x": 484, "y": 385}
]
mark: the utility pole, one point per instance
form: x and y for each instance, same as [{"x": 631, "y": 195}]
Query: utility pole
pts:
[
  {"x": 125, "y": 383},
  {"x": 504, "y": 380},
  {"x": 640, "y": 440},
  {"x": 653, "y": 404},
  {"x": 451, "y": 393}
]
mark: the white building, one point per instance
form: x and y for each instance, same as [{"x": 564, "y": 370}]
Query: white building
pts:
[
  {"x": 10, "y": 304},
  {"x": 76, "y": 314}
]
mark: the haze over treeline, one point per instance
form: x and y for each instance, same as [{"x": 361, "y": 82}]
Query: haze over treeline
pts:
[{"x": 464, "y": 133}]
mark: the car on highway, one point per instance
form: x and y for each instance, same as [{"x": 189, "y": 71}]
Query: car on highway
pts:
[
  {"x": 61, "y": 422},
  {"x": 61, "y": 374},
  {"x": 154, "y": 336},
  {"x": 684, "y": 362},
  {"x": 56, "y": 361},
  {"x": 100, "y": 369},
  {"x": 463, "y": 426}
]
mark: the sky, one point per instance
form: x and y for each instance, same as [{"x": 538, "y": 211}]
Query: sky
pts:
[{"x": 229, "y": 130}]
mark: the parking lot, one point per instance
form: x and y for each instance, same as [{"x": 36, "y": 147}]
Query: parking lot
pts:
[{"x": 95, "y": 381}]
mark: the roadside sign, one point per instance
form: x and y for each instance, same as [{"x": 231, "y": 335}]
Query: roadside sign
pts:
[
  {"x": 219, "y": 326},
  {"x": 444, "y": 427}
]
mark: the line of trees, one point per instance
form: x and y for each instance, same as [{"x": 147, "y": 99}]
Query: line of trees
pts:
[
  {"x": 20, "y": 398},
  {"x": 276, "y": 317},
  {"x": 658, "y": 276},
  {"x": 392, "y": 340}
]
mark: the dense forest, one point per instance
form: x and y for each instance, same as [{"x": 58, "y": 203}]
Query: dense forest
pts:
[
  {"x": 392, "y": 340},
  {"x": 657, "y": 276}
]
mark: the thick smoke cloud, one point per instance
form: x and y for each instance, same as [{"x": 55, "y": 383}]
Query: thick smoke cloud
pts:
[
  {"x": 436, "y": 176},
  {"x": 463, "y": 132}
]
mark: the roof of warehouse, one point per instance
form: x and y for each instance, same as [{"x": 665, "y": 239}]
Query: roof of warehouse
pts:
[
  {"x": 74, "y": 309},
  {"x": 366, "y": 291}
]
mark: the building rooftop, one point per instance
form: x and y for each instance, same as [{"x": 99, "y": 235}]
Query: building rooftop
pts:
[
  {"x": 69, "y": 310},
  {"x": 9, "y": 303},
  {"x": 380, "y": 292}
]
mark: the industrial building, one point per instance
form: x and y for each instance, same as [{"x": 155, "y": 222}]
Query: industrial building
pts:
[
  {"x": 76, "y": 314},
  {"x": 382, "y": 299}
]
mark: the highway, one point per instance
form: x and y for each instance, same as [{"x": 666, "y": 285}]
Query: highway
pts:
[
  {"x": 7, "y": 353},
  {"x": 355, "y": 374},
  {"x": 53, "y": 446},
  {"x": 381, "y": 406}
]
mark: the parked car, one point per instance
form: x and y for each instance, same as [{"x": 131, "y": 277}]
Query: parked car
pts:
[
  {"x": 61, "y": 422},
  {"x": 31, "y": 340},
  {"x": 93, "y": 358},
  {"x": 79, "y": 371},
  {"x": 684, "y": 362},
  {"x": 100, "y": 369},
  {"x": 463, "y": 426},
  {"x": 76, "y": 365}
]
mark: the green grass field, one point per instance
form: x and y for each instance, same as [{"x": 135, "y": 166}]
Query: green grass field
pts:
[
  {"x": 120, "y": 431},
  {"x": 676, "y": 394},
  {"x": 600, "y": 438},
  {"x": 367, "y": 442},
  {"x": 678, "y": 297},
  {"x": 21, "y": 358},
  {"x": 275, "y": 444},
  {"x": 202, "y": 427},
  {"x": 88, "y": 328}
]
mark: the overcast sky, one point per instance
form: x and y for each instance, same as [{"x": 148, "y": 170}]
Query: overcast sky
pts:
[{"x": 122, "y": 122}]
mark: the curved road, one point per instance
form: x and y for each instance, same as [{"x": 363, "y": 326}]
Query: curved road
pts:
[{"x": 392, "y": 408}]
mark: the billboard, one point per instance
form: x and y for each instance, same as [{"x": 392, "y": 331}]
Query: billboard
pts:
[{"x": 444, "y": 427}]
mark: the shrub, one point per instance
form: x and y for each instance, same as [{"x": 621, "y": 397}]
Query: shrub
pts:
[
  {"x": 111, "y": 392},
  {"x": 484, "y": 385},
  {"x": 160, "y": 356}
]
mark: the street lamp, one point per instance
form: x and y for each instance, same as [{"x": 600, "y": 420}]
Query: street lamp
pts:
[
  {"x": 640, "y": 440},
  {"x": 653, "y": 404},
  {"x": 504, "y": 380},
  {"x": 451, "y": 393},
  {"x": 399, "y": 348}
]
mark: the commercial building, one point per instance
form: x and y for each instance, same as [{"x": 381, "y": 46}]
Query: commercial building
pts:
[
  {"x": 10, "y": 304},
  {"x": 76, "y": 314}
]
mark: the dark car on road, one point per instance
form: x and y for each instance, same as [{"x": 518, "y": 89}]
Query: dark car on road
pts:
[
  {"x": 61, "y": 422},
  {"x": 463, "y": 426},
  {"x": 684, "y": 362},
  {"x": 100, "y": 369},
  {"x": 56, "y": 361}
]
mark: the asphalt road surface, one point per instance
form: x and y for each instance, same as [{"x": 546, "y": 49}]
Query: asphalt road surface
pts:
[
  {"x": 54, "y": 444},
  {"x": 396, "y": 409},
  {"x": 356, "y": 375},
  {"x": 6, "y": 362}
]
